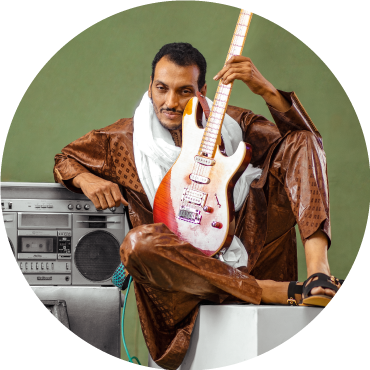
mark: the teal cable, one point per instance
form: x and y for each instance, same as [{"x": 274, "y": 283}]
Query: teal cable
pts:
[{"x": 122, "y": 325}]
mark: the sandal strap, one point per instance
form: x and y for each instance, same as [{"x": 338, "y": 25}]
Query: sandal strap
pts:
[
  {"x": 323, "y": 281},
  {"x": 293, "y": 289}
]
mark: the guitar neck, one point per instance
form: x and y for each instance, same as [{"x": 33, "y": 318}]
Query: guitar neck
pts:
[{"x": 212, "y": 132}]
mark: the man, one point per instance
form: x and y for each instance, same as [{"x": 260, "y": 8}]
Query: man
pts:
[{"x": 171, "y": 276}]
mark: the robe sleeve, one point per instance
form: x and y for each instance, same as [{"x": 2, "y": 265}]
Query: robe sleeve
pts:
[
  {"x": 88, "y": 154},
  {"x": 262, "y": 134},
  {"x": 296, "y": 118}
]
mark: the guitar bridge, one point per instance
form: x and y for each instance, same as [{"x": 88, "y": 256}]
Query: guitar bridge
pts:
[{"x": 189, "y": 214}]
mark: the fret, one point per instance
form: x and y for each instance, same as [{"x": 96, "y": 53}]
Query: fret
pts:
[
  {"x": 216, "y": 123},
  {"x": 209, "y": 147},
  {"x": 206, "y": 141},
  {"x": 213, "y": 125},
  {"x": 205, "y": 148},
  {"x": 218, "y": 115},
  {"x": 212, "y": 134},
  {"x": 216, "y": 111},
  {"x": 220, "y": 93},
  {"x": 208, "y": 129},
  {"x": 218, "y": 106},
  {"x": 210, "y": 138}
]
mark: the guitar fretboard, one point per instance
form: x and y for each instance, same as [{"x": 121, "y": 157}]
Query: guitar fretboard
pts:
[{"x": 212, "y": 131}]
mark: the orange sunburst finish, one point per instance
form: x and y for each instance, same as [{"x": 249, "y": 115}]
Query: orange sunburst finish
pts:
[{"x": 223, "y": 176}]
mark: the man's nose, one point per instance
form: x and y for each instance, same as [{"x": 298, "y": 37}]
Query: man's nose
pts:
[{"x": 172, "y": 100}]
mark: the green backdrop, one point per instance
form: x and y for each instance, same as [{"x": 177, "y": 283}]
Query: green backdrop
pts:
[{"x": 101, "y": 75}]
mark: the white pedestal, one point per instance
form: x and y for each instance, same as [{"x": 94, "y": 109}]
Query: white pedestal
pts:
[{"x": 226, "y": 335}]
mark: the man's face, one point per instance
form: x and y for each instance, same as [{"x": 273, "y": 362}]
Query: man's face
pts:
[{"x": 172, "y": 88}]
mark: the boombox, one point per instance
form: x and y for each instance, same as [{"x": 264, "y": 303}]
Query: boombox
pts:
[{"x": 58, "y": 237}]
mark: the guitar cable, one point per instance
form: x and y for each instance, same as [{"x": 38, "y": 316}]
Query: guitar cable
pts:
[{"x": 130, "y": 359}]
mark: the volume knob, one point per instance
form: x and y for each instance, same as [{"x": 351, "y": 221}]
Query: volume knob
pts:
[
  {"x": 208, "y": 209},
  {"x": 217, "y": 225},
  {"x": 70, "y": 206}
]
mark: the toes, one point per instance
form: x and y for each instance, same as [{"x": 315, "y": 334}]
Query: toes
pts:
[{"x": 322, "y": 291}]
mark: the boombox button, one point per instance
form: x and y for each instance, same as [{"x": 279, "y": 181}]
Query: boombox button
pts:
[
  {"x": 64, "y": 256},
  {"x": 50, "y": 206}
]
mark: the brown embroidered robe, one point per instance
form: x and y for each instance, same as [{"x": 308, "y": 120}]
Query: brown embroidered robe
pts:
[{"x": 292, "y": 189}]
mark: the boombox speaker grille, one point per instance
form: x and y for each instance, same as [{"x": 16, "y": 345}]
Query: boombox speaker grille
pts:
[{"x": 97, "y": 255}]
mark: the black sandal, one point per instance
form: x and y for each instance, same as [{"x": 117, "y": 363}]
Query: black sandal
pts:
[
  {"x": 323, "y": 281},
  {"x": 293, "y": 289}
]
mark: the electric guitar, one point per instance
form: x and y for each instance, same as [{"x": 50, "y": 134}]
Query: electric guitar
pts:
[{"x": 195, "y": 199}]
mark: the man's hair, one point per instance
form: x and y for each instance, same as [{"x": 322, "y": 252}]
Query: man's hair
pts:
[{"x": 183, "y": 54}]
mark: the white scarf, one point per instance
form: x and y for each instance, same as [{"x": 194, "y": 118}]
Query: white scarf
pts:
[{"x": 155, "y": 152}]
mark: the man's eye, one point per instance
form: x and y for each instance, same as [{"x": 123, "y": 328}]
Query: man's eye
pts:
[
  {"x": 186, "y": 91},
  {"x": 160, "y": 88}
]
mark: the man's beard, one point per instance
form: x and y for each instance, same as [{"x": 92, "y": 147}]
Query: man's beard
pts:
[{"x": 157, "y": 111}]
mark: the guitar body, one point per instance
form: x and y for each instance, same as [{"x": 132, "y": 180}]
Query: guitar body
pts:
[{"x": 209, "y": 230}]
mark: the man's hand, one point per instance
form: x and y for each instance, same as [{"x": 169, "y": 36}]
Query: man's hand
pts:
[
  {"x": 241, "y": 68},
  {"x": 101, "y": 192}
]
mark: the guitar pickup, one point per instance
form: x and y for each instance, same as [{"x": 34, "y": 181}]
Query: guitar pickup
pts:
[
  {"x": 204, "y": 161},
  {"x": 195, "y": 197},
  {"x": 199, "y": 179}
]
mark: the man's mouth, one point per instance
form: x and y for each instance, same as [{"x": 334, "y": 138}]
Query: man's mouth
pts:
[{"x": 171, "y": 115}]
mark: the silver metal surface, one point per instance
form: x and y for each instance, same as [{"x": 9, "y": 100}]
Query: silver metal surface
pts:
[
  {"x": 37, "y": 190},
  {"x": 229, "y": 334},
  {"x": 93, "y": 312}
]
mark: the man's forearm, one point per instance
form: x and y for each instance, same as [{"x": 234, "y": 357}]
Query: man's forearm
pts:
[
  {"x": 77, "y": 181},
  {"x": 276, "y": 100}
]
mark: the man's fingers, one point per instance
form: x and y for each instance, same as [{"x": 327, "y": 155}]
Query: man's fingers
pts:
[
  {"x": 95, "y": 201},
  {"x": 102, "y": 200},
  {"x": 117, "y": 196},
  {"x": 241, "y": 68},
  {"x": 124, "y": 201},
  {"x": 231, "y": 78}
]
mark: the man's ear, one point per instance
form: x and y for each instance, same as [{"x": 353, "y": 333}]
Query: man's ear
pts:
[
  {"x": 150, "y": 88},
  {"x": 203, "y": 90}
]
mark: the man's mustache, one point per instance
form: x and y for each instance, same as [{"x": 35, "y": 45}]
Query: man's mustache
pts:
[{"x": 173, "y": 110}]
